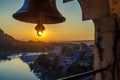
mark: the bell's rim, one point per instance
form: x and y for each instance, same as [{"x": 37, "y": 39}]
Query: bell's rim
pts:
[{"x": 29, "y": 17}]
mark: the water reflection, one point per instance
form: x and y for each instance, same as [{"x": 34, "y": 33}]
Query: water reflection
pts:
[{"x": 13, "y": 68}]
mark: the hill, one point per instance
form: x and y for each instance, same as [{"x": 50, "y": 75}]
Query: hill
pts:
[
  {"x": 10, "y": 44},
  {"x": 5, "y": 37}
]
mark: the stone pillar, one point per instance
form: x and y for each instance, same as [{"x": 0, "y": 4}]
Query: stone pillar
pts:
[
  {"x": 117, "y": 64},
  {"x": 104, "y": 47},
  {"x": 117, "y": 49}
]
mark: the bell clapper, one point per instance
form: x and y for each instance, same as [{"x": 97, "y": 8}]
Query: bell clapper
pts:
[{"x": 40, "y": 28}]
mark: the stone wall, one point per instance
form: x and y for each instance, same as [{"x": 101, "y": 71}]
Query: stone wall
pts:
[{"x": 106, "y": 17}]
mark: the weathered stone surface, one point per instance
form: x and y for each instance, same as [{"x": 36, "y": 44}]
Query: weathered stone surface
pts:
[
  {"x": 93, "y": 9},
  {"x": 117, "y": 64},
  {"x": 104, "y": 55},
  {"x": 107, "y": 35},
  {"x": 114, "y": 7}
]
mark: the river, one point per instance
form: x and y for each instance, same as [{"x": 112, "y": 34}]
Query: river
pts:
[
  {"x": 16, "y": 67},
  {"x": 13, "y": 68}
]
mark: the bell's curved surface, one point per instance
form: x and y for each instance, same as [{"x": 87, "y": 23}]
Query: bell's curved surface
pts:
[{"x": 32, "y": 10}]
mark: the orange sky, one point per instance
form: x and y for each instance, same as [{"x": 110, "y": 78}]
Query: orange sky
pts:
[{"x": 72, "y": 29}]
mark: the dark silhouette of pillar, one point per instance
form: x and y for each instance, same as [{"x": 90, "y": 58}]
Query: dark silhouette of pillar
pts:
[{"x": 104, "y": 47}]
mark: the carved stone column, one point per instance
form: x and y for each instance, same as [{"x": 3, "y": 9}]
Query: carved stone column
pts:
[{"x": 104, "y": 46}]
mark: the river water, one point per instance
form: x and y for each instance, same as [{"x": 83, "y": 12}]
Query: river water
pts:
[{"x": 15, "y": 69}]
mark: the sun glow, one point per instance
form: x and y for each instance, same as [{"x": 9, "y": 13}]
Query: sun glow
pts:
[
  {"x": 39, "y": 33},
  {"x": 72, "y": 29}
]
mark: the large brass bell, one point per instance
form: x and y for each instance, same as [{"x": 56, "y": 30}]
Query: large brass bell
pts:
[{"x": 40, "y": 12}]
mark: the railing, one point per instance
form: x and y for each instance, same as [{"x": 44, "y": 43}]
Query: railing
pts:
[{"x": 77, "y": 76}]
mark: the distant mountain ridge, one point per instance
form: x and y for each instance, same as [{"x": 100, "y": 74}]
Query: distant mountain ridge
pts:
[
  {"x": 88, "y": 42},
  {"x": 4, "y": 37},
  {"x": 10, "y": 44}
]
